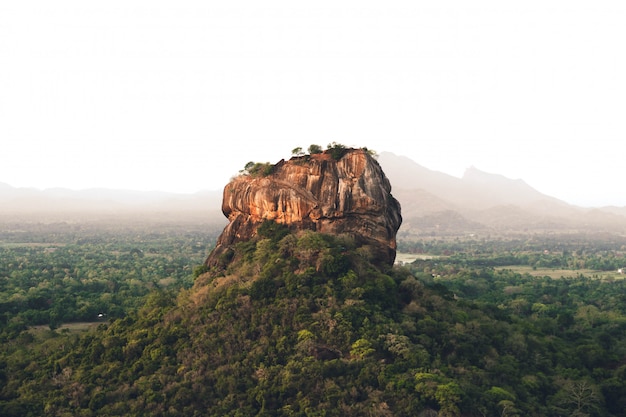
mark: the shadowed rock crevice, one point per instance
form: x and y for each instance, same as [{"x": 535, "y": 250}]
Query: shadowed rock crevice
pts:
[{"x": 350, "y": 196}]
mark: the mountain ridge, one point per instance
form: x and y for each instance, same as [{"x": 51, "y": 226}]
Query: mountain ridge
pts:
[
  {"x": 478, "y": 202},
  {"x": 482, "y": 202}
]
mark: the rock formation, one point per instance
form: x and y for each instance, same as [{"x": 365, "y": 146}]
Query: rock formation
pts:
[{"x": 329, "y": 193}]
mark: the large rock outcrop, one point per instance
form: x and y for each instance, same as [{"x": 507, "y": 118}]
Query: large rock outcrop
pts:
[{"x": 340, "y": 194}]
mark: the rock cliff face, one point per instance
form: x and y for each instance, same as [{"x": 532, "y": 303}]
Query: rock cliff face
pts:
[{"x": 348, "y": 195}]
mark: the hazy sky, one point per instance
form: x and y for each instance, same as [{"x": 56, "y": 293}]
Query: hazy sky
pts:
[{"x": 179, "y": 95}]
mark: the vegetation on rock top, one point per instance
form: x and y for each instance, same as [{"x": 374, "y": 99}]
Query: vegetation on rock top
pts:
[{"x": 334, "y": 149}]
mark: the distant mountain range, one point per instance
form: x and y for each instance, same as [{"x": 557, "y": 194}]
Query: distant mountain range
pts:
[
  {"x": 60, "y": 204},
  {"x": 433, "y": 204},
  {"x": 436, "y": 203}
]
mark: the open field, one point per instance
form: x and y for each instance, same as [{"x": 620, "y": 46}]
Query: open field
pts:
[
  {"x": 564, "y": 273},
  {"x": 71, "y": 327},
  {"x": 411, "y": 257}
]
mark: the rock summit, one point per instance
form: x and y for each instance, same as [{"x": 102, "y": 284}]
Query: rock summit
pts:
[{"x": 343, "y": 192}]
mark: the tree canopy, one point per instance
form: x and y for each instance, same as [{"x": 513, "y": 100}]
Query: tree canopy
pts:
[{"x": 305, "y": 324}]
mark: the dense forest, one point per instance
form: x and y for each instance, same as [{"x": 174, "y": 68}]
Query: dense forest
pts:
[
  {"x": 61, "y": 272},
  {"x": 306, "y": 325}
]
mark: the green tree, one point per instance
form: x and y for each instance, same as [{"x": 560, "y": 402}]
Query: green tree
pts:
[
  {"x": 337, "y": 150},
  {"x": 581, "y": 397},
  {"x": 361, "y": 349},
  {"x": 448, "y": 396}
]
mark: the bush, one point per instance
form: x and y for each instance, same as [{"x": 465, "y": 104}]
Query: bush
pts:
[
  {"x": 337, "y": 150},
  {"x": 258, "y": 169},
  {"x": 269, "y": 229},
  {"x": 199, "y": 270}
]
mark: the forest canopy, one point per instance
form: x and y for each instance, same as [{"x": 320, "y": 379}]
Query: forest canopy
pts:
[{"x": 306, "y": 324}]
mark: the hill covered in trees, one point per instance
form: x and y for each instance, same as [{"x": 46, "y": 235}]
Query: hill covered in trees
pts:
[
  {"x": 306, "y": 324},
  {"x": 309, "y": 321}
]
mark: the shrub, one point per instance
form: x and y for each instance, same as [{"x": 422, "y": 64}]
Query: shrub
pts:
[
  {"x": 258, "y": 169},
  {"x": 337, "y": 150},
  {"x": 269, "y": 229}
]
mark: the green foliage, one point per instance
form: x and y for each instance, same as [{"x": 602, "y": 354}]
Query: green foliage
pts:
[
  {"x": 49, "y": 278},
  {"x": 258, "y": 169},
  {"x": 361, "y": 349},
  {"x": 314, "y": 149},
  {"x": 336, "y": 150},
  {"x": 303, "y": 324},
  {"x": 370, "y": 152},
  {"x": 199, "y": 270},
  {"x": 269, "y": 229}
]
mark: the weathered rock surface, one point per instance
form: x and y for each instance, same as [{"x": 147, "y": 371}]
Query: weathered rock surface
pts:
[{"x": 350, "y": 195}]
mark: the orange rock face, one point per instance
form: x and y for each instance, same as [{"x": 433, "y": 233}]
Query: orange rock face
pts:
[{"x": 350, "y": 195}]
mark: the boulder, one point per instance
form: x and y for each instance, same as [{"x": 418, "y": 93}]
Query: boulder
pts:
[{"x": 326, "y": 192}]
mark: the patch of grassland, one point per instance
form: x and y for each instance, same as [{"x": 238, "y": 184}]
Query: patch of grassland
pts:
[
  {"x": 69, "y": 327},
  {"x": 564, "y": 273},
  {"x": 410, "y": 257}
]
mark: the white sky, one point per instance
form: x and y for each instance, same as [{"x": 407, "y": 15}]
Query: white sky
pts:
[{"x": 179, "y": 95}]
